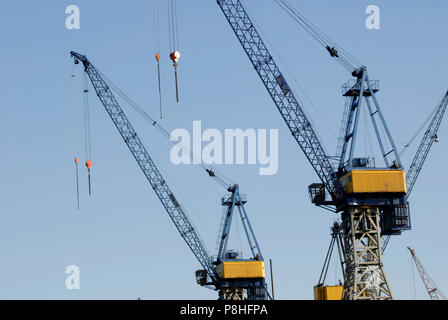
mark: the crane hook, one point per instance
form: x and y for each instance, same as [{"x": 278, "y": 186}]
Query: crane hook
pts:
[
  {"x": 175, "y": 56},
  {"x": 89, "y": 165},
  {"x": 158, "y": 77}
]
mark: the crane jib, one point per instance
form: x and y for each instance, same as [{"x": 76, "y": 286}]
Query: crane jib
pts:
[
  {"x": 279, "y": 90},
  {"x": 425, "y": 145},
  {"x": 150, "y": 170}
]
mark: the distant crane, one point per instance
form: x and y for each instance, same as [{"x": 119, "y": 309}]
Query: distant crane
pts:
[
  {"x": 429, "y": 285},
  {"x": 372, "y": 200},
  {"x": 428, "y": 139},
  {"x": 336, "y": 237},
  {"x": 234, "y": 277}
]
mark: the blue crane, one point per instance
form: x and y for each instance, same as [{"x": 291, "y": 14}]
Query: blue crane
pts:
[
  {"x": 420, "y": 156},
  {"x": 279, "y": 90},
  {"x": 372, "y": 200},
  {"x": 433, "y": 292},
  {"x": 428, "y": 139},
  {"x": 234, "y": 277}
]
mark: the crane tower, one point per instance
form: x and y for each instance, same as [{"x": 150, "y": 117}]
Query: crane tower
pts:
[{"x": 371, "y": 199}]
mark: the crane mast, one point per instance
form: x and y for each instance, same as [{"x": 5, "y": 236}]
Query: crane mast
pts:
[
  {"x": 234, "y": 277},
  {"x": 430, "y": 287}
]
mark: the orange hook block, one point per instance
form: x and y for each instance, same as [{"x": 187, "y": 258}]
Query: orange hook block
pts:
[
  {"x": 89, "y": 164},
  {"x": 76, "y": 160},
  {"x": 158, "y": 57}
]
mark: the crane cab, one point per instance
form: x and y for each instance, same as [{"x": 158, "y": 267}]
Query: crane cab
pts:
[
  {"x": 234, "y": 268},
  {"x": 374, "y": 181},
  {"x": 241, "y": 269},
  {"x": 384, "y": 188},
  {"x": 201, "y": 277}
]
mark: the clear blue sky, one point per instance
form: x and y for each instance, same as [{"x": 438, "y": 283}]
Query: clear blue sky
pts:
[{"x": 122, "y": 239}]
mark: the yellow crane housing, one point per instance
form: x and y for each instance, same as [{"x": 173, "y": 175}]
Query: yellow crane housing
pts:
[
  {"x": 241, "y": 270},
  {"x": 374, "y": 181},
  {"x": 328, "y": 292}
]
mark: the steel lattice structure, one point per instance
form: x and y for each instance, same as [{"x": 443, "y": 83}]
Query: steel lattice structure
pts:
[
  {"x": 144, "y": 160},
  {"x": 424, "y": 147},
  {"x": 429, "y": 285},
  {"x": 252, "y": 288},
  {"x": 365, "y": 278},
  {"x": 365, "y": 217},
  {"x": 279, "y": 90}
]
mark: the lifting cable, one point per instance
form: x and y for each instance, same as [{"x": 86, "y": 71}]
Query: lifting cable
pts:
[
  {"x": 238, "y": 233},
  {"x": 73, "y": 76},
  {"x": 174, "y": 40},
  {"x": 220, "y": 228},
  {"x": 212, "y": 172},
  {"x": 407, "y": 145},
  {"x": 157, "y": 47},
  {"x": 302, "y": 90},
  {"x": 343, "y": 57},
  {"x": 88, "y": 145}
]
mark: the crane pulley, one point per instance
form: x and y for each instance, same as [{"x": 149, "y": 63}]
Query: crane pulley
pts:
[{"x": 344, "y": 58}]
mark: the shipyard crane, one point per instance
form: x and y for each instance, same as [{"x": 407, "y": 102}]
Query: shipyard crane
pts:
[
  {"x": 420, "y": 156},
  {"x": 372, "y": 200},
  {"x": 328, "y": 292},
  {"x": 429, "y": 285},
  {"x": 234, "y": 277},
  {"x": 429, "y": 138}
]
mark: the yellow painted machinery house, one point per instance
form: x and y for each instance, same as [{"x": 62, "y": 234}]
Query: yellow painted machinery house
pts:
[
  {"x": 374, "y": 181},
  {"x": 241, "y": 269}
]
